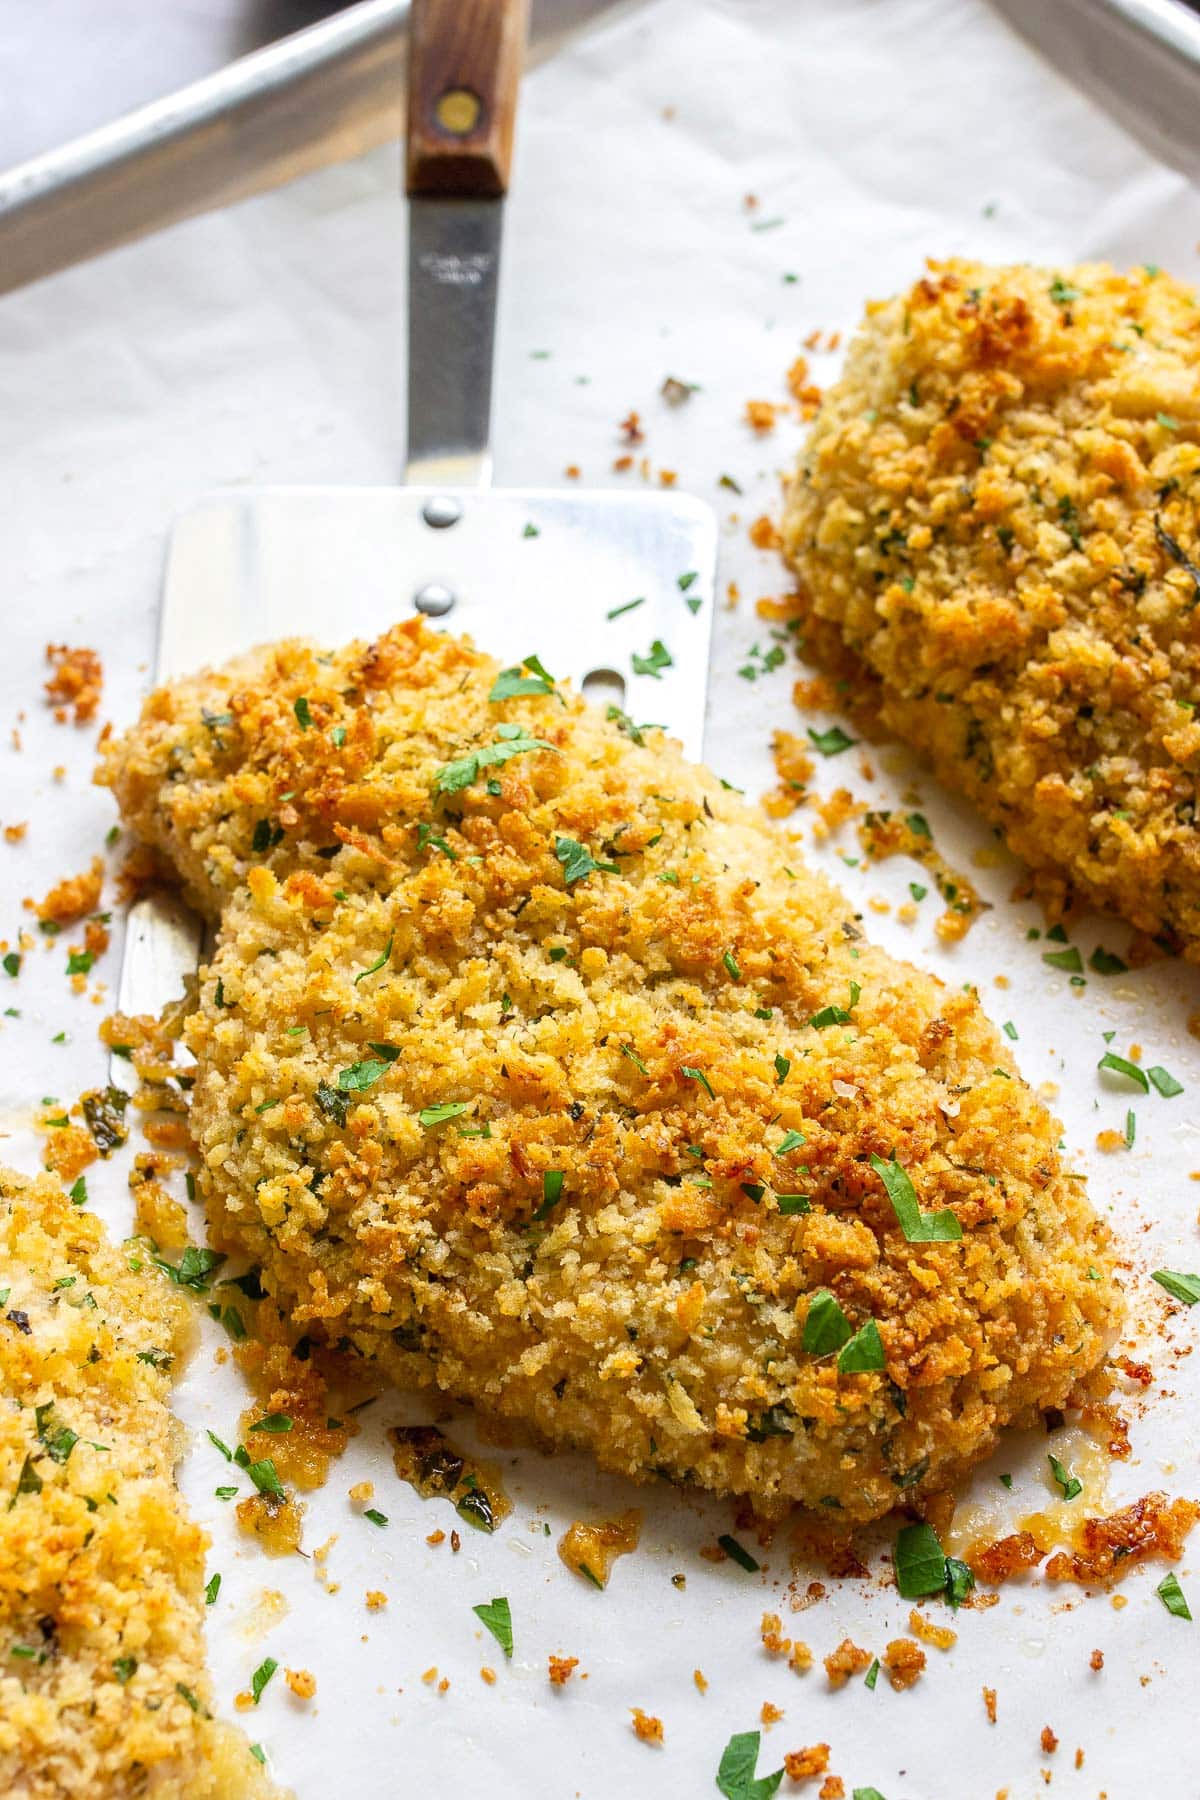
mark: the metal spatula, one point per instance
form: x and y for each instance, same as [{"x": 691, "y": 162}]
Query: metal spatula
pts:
[{"x": 523, "y": 570}]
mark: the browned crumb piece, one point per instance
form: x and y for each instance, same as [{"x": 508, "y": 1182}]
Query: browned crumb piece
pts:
[
  {"x": 68, "y": 1151},
  {"x": 833, "y": 813},
  {"x": 361, "y": 1492},
  {"x": 436, "y": 1537},
  {"x": 940, "y": 1636},
  {"x": 1008, "y": 1556},
  {"x": 302, "y": 1682},
  {"x": 904, "y": 1662},
  {"x": 832, "y": 1788},
  {"x": 72, "y": 897},
  {"x": 794, "y": 767},
  {"x": 1096, "y": 1661},
  {"x": 156, "y": 1215},
  {"x": 847, "y": 1660},
  {"x": 1048, "y": 1741},
  {"x": 760, "y": 415},
  {"x": 771, "y": 1632},
  {"x": 769, "y": 1714},
  {"x": 1079, "y": 1759},
  {"x": 14, "y": 833},
  {"x": 276, "y": 1523},
  {"x": 488, "y": 1675},
  {"x": 591, "y": 1550},
  {"x": 801, "y": 1765},
  {"x": 430, "y": 1675},
  {"x": 560, "y": 1669},
  {"x": 1117, "y": 1542},
  {"x": 700, "y": 1680},
  {"x": 797, "y": 377},
  {"x": 764, "y": 533},
  {"x": 646, "y": 1726},
  {"x": 801, "y": 1659},
  {"x": 989, "y": 1704},
  {"x": 376, "y": 1599},
  {"x": 76, "y": 683}
]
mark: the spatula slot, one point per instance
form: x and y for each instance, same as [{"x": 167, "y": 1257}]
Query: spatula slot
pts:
[{"x": 604, "y": 687}]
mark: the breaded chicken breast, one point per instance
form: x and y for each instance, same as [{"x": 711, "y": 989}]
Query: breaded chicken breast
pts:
[
  {"x": 532, "y": 1062},
  {"x": 995, "y": 515},
  {"x": 103, "y": 1689}
]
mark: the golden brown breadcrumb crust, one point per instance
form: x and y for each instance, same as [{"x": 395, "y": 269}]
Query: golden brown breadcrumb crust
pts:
[
  {"x": 645, "y": 1024},
  {"x": 996, "y": 514},
  {"x": 103, "y": 1689}
]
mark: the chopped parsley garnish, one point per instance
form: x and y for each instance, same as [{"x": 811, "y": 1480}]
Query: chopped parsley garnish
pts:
[
  {"x": 437, "y": 1115},
  {"x": 1180, "y": 1287},
  {"x": 1062, "y": 293},
  {"x": 261, "y": 1676},
  {"x": 625, "y": 724},
  {"x": 512, "y": 682},
  {"x": 12, "y": 964},
  {"x": 79, "y": 962},
  {"x": 552, "y": 1187},
  {"x": 226, "y": 1452},
  {"x": 864, "y": 1352},
  {"x": 1172, "y": 1596},
  {"x": 263, "y": 1473},
  {"x": 960, "y": 1580},
  {"x": 185, "y": 1693},
  {"x": 920, "y": 1562},
  {"x": 917, "y": 891},
  {"x": 426, "y": 835},
  {"x": 831, "y": 742},
  {"x": 629, "y": 606},
  {"x": 272, "y": 1422},
  {"x": 1177, "y": 554},
  {"x": 872, "y": 1674},
  {"x": 511, "y": 740},
  {"x": 338, "y": 736},
  {"x": 830, "y": 1015},
  {"x": 578, "y": 862},
  {"x": 57, "y": 1439},
  {"x": 194, "y": 1268},
  {"x": 1165, "y": 1082},
  {"x": 738, "y": 1553},
  {"x": 1070, "y": 1484},
  {"x": 225, "y": 1493},
  {"x": 1069, "y": 960},
  {"x": 1120, "y": 1066},
  {"x": 782, "y": 1066},
  {"x": 125, "y": 1668},
  {"x": 735, "y": 1775},
  {"x": 701, "y": 1077},
  {"x": 376, "y": 1517},
  {"x": 380, "y": 962},
  {"x": 497, "y": 1616},
  {"x": 654, "y": 662},
  {"x": 363, "y": 1075},
  {"x": 918, "y": 1227},
  {"x": 531, "y": 530},
  {"x": 629, "y": 1051},
  {"x": 731, "y": 966},
  {"x": 77, "y": 1193},
  {"x": 791, "y": 1140},
  {"x": 826, "y": 1327},
  {"x": 791, "y": 1204},
  {"x": 1009, "y": 1030},
  {"x": 212, "y": 1590},
  {"x": 1105, "y": 963},
  {"x": 304, "y": 717}
]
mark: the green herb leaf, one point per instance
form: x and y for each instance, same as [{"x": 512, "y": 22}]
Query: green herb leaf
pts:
[
  {"x": 12, "y": 964},
  {"x": 437, "y": 1115},
  {"x": 1166, "y": 1083},
  {"x": 791, "y": 1204},
  {"x": 362, "y": 1075},
  {"x": 261, "y": 1676},
  {"x": 1172, "y": 1596},
  {"x": 79, "y": 962},
  {"x": 831, "y": 742},
  {"x": 376, "y": 1517},
  {"x": 265, "y": 1477},
  {"x": 276, "y": 1422},
  {"x": 735, "y": 1775},
  {"x": 920, "y": 1562},
  {"x": 1070, "y": 960},
  {"x": 511, "y": 740},
  {"x": 918, "y": 1227},
  {"x": 195, "y": 1266},
  {"x": 826, "y": 1327},
  {"x": 738, "y": 1553},
  {"x": 77, "y": 1193},
  {"x": 578, "y": 862},
  {"x": 1105, "y": 963},
  {"x": 380, "y": 962},
  {"x": 303, "y": 716},
  {"x": 125, "y": 1668},
  {"x": 864, "y": 1352},
  {"x": 331, "y": 1102},
  {"x": 791, "y": 1140},
  {"x": 1070, "y": 1484},
  {"x": 212, "y": 1590},
  {"x": 1180, "y": 1287},
  {"x": 657, "y": 659},
  {"x": 497, "y": 1616},
  {"x": 782, "y": 1066},
  {"x": 731, "y": 966},
  {"x": 1120, "y": 1066},
  {"x": 511, "y": 682},
  {"x": 830, "y": 1015},
  {"x": 552, "y": 1187},
  {"x": 629, "y": 606},
  {"x": 960, "y": 1580},
  {"x": 872, "y": 1675}
]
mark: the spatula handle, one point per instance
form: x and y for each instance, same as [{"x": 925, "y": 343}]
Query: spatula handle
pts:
[{"x": 464, "y": 65}]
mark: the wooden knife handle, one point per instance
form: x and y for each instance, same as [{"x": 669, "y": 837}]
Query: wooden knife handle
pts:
[{"x": 464, "y": 66}]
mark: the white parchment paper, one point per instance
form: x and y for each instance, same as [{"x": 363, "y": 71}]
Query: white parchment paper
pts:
[{"x": 264, "y": 344}]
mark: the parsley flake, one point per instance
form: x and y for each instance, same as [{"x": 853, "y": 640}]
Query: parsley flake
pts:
[
  {"x": 1185, "y": 1288},
  {"x": 1172, "y": 1596},
  {"x": 918, "y": 1227},
  {"x": 497, "y": 1616}
]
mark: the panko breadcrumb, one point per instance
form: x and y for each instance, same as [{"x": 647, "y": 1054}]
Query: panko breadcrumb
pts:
[
  {"x": 995, "y": 517},
  {"x": 103, "y": 1689},
  {"x": 529, "y": 1063}
]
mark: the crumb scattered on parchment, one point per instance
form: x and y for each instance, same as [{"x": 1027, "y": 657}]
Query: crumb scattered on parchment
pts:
[
  {"x": 560, "y": 1669},
  {"x": 764, "y": 533},
  {"x": 940, "y": 1636},
  {"x": 1048, "y": 1741},
  {"x": 75, "y": 686},
  {"x": 760, "y": 415},
  {"x": 989, "y": 1704},
  {"x": 376, "y": 1599},
  {"x": 802, "y": 1765},
  {"x": 646, "y": 1726},
  {"x": 847, "y": 1660},
  {"x": 72, "y": 897},
  {"x": 302, "y": 1682},
  {"x": 770, "y": 1714},
  {"x": 701, "y": 1680},
  {"x": 904, "y": 1662}
]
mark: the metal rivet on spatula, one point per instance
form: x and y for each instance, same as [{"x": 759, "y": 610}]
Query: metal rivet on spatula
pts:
[
  {"x": 440, "y": 511},
  {"x": 433, "y": 600}
]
